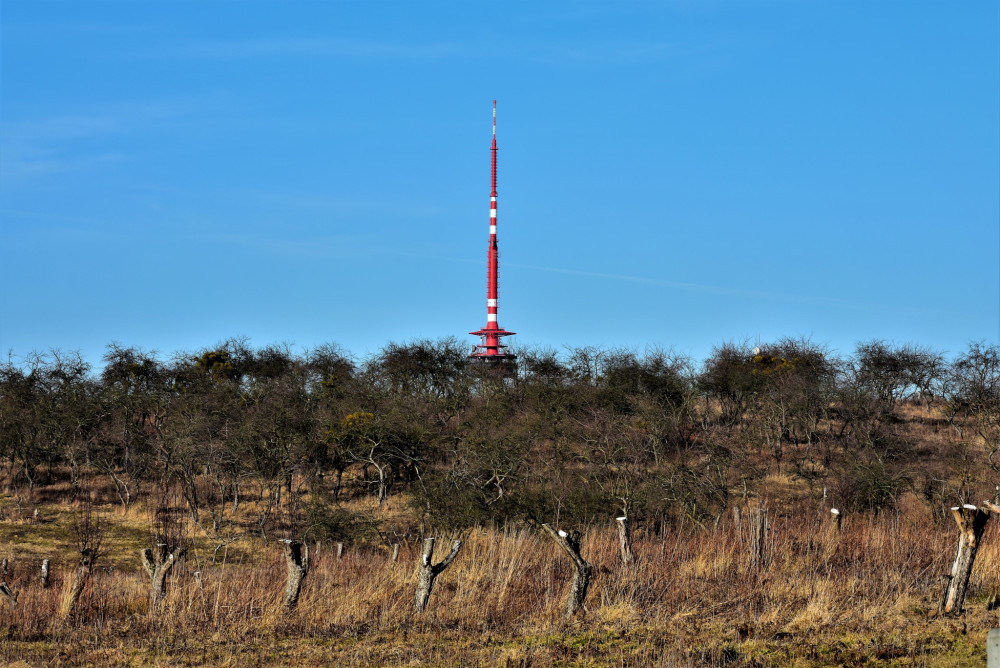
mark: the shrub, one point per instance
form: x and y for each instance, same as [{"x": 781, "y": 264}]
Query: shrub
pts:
[{"x": 870, "y": 485}]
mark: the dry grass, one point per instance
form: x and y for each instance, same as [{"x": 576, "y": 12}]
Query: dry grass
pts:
[{"x": 866, "y": 597}]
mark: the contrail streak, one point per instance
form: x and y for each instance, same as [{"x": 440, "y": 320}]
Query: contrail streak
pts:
[{"x": 696, "y": 287}]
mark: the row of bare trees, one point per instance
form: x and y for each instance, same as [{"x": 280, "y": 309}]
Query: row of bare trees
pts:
[
  {"x": 753, "y": 527},
  {"x": 567, "y": 435}
]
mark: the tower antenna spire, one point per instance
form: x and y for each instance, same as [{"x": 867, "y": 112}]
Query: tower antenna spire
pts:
[{"x": 490, "y": 347}]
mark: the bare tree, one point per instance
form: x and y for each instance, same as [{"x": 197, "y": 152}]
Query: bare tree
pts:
[
  {"x": 971, "y": 524},
  {"x": 428, "y": 571},
  {"x": 582, "y": 570},
  {"x": 891, "y": 373},
  {"x": 158, "y": 562},
  {"x": 89, "y": 529},
  {"x": 135, "y": 391},
  {"x": 974, "y": 394}
]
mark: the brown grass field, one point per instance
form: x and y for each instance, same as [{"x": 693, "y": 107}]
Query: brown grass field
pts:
[{"x": 868, "y": 597}]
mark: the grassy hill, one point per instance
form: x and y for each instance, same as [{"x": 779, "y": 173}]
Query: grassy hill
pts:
[{"x": 227, "y": 453}]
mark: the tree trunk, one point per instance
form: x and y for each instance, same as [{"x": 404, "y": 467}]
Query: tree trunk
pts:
[
  {"x": 338, "y": 481},
  {"x": 428, "y": 571},
  {"x": 625, "y": 541},
  {"x": 297, "y": 563},
  {"x": 80, "y": 579},
  {"x": 971, "y": 523},
  {"x": 45, "y": 573},
  {"x": 837, "y": 519},
  {"x": 9, "y": 596},
  {"x": 383, "y": 486},
  {"x": 190, "y": 490},
  {"x": 830, "y": 538},
  {"x": 158, "y": 563},
  {"x": 759, "y": 556},
  {"x": 582, "y": 571}
]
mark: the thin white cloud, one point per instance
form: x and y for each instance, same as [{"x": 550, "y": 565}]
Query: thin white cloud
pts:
[
  {"x": 329, "y": 204},
  {"x": 43, "y": 146},
  {"x": 695, "y": 287},
  {"x": 726, "y": 291},
  {"x": 325, "y": 248}
]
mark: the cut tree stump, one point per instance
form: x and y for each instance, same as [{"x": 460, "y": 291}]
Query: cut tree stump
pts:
[
  {"x": 830, "y": 537},
  {"x": 758, "y": 526},
  {"x": 582, "y": 570},
  {"x": 428, "y": 571},
  {"x": 625, "y": 541},
  {"x": 158, "y": 563},
  {"x": 9, "y": 596},
  {"x": 971, "y": 523},
  {"x": 297, "y": 563},
  {"x": 80, "y": 579},
  {"x": 45, "y": 573}
]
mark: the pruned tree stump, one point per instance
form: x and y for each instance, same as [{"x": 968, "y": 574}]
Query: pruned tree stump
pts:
[
  {"x": 45, "y": 573},
  {"x": 297, "y": 564},
  {"x": 158, "y": 563},
  {"x": 80, "y": 578},
  {"x": 758, "y": 526},
  {"x": 625, "y": 541},
  {"x": 582, "y": 570},
  {"x": 9, "y": 596},
  {"x": 830, "y": 534},
  {"x": 428, "y": 571},
  {"x": 971, "y": 524}
]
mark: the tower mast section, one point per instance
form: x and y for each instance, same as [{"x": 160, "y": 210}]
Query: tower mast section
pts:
[{"x": 490, "y": 347}]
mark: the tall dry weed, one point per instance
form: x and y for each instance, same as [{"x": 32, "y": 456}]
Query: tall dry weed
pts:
[{"x": 690, "y": 595}]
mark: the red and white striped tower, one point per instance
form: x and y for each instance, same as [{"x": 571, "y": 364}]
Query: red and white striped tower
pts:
[{"x": 490, "y": 347}]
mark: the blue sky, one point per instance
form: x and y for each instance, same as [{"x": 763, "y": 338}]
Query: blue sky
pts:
[{"x": 671, "y": 173}]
